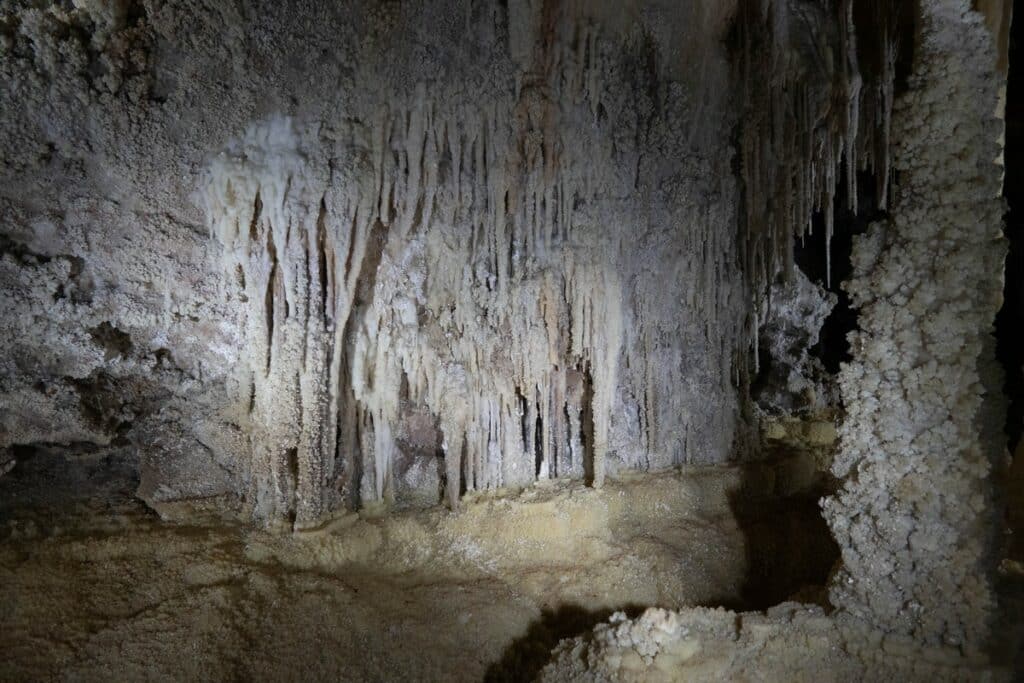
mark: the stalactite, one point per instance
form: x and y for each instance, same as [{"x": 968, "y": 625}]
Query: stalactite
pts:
[
  {"x": 454, "y": 249},
  {"x": 815, "y": 111},
  {"x": 264, "y": 184}
]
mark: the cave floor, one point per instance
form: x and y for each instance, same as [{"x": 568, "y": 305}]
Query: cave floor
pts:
[{"x": 94, "y": 585}]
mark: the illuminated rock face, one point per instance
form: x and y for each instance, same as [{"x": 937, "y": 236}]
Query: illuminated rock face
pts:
[
  {"x": 539, "y": 252},
  {"x": 540, "y": 267}
]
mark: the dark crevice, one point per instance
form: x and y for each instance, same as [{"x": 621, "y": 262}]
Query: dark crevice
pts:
[
  {"x": 810, "y": 255},
  {"x": 906, "y": 28},
  {"x": 523, "y": 416},
  {"x": 323, "y": 260},
  {"x": 526, "y": 656},
  {"x": 257, "y": 212},
  {"x": 587, "y": 425},
  {"x": 240, "y": 283},
  {"x": 164, "y": 358},
  {"x": 21, "y": 252},
  {"x": 567, "y": 436},
  {"x": 375, "y": 243},
  {"x": 114, "y": 342},
  {"x": 1009, "y": 328},
  {"x": 269, "y": 296},
  {"x": 292, "y": 462},
  {"x": 463, "y": 479},
  {"x": 351, "y": 243},
  {"x": 538, "y": 442},
  {"x": 103, "y": 403}
]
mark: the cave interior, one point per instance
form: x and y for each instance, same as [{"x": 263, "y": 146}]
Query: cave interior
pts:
[{"x": 506, "y": 340}]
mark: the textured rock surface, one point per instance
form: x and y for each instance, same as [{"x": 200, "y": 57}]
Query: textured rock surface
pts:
[
  {"x": 794, "y": 383},
  {"x": 506, "y": 230},
  {"x": 378, "y": 253},
  {"x": 455, "y": 246},
  {"x": 790, "y": 642},
  {"x": 914, "y": 517}
]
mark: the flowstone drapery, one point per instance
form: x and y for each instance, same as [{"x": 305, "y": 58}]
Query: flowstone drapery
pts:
[{"x": 440, "y": 295}]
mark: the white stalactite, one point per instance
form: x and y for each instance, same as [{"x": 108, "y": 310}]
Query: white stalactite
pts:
[{"x": 426, "y": 251}]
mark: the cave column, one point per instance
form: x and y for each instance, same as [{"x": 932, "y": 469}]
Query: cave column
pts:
[{"x": 914, "y": 516}]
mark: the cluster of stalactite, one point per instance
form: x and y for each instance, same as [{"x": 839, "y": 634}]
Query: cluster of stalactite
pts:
[
  {"x": 817, "y": 84},
  {"x": 431, "y": 260},
  {"x": 527, "y": 266},
  {"x": 301, "y": 264}
]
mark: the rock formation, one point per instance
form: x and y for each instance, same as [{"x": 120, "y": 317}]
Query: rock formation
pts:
[{"x": 303, "y": 260}]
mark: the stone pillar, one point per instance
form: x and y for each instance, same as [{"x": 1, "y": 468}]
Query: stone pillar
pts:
[{"x": 914, "y": 516}]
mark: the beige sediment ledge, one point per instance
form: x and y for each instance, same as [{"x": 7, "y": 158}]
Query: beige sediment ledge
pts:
[
  {"x": 105, "y": 589},
  {"x": 694, "y": 518}
]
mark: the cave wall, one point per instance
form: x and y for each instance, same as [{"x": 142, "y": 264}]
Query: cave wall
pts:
[
  {"x": 318, "y": 256},
  {"x": 487, "y": 251}
]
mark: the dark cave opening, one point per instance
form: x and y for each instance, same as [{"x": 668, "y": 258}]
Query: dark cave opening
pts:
[
  {"x": 1009, "y": 327},
  {"x": 811, "y": 255}
]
